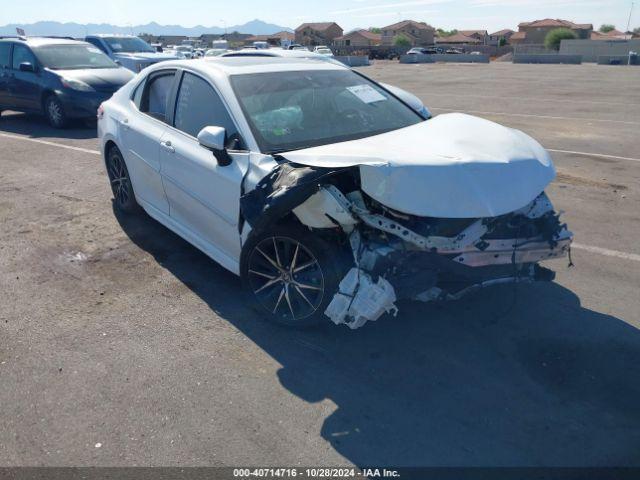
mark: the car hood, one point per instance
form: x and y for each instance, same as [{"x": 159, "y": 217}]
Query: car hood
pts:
[
  {"x": 99, "y": 78},
  {"x": 453, "y": 166},
  {"x": 149, "y": 56}
]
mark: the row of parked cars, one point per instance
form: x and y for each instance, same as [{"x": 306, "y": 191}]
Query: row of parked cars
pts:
[
  {"x": 436, "y": 51},
  {"x": 68, "y": 79}
]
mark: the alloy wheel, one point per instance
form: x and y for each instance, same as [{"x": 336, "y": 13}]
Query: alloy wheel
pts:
[
  {"x": 286, "y": 278},
  {"x": 119, "y": 179},
  {"x": 55, "y": 112}
]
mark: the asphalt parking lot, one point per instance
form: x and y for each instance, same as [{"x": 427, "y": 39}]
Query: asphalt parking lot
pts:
[{"x": 120, "y": 344}]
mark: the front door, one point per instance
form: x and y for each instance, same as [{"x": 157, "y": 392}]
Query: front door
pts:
[
  {"x": 5, "y": 59},
  {"x": 204, "y": 197},
  {"x": 24, "y": 87}
]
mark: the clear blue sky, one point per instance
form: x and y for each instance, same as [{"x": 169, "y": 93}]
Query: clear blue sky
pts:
[{"x": 490, "y": 14}]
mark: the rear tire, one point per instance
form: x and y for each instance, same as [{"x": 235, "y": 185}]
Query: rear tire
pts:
[
  {"x": 291, "y": 274},
  {"x": 123, "y": 197},
  {"x": 54, "y": 112}
]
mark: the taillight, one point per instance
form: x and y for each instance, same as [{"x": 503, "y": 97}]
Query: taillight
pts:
[{"x": 100, "y": 112}]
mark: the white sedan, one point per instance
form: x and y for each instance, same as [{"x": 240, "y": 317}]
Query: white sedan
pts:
[{"x": 325, "y": 192}]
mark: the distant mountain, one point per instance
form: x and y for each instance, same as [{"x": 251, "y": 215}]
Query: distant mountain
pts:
[{"x": 255, "y": 27}]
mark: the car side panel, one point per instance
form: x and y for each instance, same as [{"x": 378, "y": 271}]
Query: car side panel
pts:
[{"x": 204, "y": 196}]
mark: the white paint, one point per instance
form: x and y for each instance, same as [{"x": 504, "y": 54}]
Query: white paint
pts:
[
  {"x": 454, "y": 166},
  {"x": 606, "y": 252},
  {"x": 602, "y": 155},
  {"x": 51, "y": 144},
  {"x": 528, "y": 115}
]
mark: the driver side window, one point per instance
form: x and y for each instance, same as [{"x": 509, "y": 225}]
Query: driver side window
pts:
[
  {"x": 22, "y": 54},
  {"x": 199, "y": 106}
]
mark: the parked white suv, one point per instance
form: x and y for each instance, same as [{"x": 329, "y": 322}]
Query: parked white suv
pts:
[{"x": 324, "y": 191}]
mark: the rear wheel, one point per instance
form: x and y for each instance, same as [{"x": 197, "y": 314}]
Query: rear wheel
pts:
[
  {"x": 291, "y": 274},
  {"x": 121, "y": 186},
  {"x": 54, "y": 112}
]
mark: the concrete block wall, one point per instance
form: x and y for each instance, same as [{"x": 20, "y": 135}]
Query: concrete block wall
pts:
[
  {"x": 354, "y": 60},
  {"x": 547, "y": 58},
  {"x": 461, "y": 58}
]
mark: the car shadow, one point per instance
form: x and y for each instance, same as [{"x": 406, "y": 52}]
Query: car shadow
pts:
[
  {"x": 36, "y": 126},
  {"x": 505, "y": 377}
]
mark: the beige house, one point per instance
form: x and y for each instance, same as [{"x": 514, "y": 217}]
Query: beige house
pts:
[
  {"x": 535, "y": 32},
  {"x": 497, "y": 37},
  {"x": 359, "y": 38},
  {"x": 481, "y": 35},
  {"x": 311, "y": 34},
  {"x": 418, "y": 33},
  {"x": 612, "y": 35},
  {"x": 459, "y": 39},
  {"x": 275, "y": 39}
]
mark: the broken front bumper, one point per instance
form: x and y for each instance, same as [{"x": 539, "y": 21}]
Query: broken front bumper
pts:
[{"x": 393, "y": 261}]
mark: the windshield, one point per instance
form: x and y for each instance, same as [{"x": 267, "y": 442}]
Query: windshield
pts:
[
  {"x": 70, "y": 57},
  {"x": 128, "y": 44},
  {"x": 294, "y": 110}
]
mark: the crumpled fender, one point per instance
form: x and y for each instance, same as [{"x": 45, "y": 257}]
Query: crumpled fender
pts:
[{"x": 282, "y": 190}]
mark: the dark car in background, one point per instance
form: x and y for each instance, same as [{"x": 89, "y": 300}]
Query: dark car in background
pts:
[
  {"x": 129, "y": 51},
  {"x": 62, "y": 79}
]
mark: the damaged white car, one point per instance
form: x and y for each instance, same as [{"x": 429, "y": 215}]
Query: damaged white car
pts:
[{"x": 326, "y": 192}]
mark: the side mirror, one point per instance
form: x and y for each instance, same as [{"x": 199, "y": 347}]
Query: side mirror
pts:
[
  {"x": 214, "y": 139},
  {"x": 27, "y": 67}
]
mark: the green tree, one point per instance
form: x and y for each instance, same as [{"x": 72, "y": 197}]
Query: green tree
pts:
[
  {"x": 606, "y": 28},
  {"x": 446, "y": 33},
  {"x": 636, "y": 31},
  {"x": 375, "y": 30},
  {"x": 502, "y": 42},
  {"x": 554, "y": 38},
  {"x": 401, "y": 41}
]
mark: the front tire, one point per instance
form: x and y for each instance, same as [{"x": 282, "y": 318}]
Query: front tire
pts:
[
  {"x": 54, "y": 112},
  {"x": 121, "y": 186},
  {"x": 291, "y": 274}
]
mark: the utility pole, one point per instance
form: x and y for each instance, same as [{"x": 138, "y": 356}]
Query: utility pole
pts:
[{"x": 629, "y": 21}]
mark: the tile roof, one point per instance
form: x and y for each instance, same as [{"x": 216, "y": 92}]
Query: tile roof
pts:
[
  {"x": 458, "y": 38},
  {"x": 550, "y": 22},
  {"x": 364, "y": 33},
  {"x": 318, "y": 26},
  {"x": 404, "y": 23},
  {"x": 500, "y": 33},
  {"x": 468, "y": 33}
]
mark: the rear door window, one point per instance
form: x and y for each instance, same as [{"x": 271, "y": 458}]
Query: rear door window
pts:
[{"x": 157, "y": 95}]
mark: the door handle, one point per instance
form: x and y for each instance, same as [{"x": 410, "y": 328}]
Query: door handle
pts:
[
  {"x": 168, "y": 147},
  {"x": 125, "y": 123}
]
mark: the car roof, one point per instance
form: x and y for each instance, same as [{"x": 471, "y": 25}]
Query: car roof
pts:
[
  {"x": 247, "y": 64},
  {"x": 114, "y": 35},
  {"x": 40, "y": 41}
]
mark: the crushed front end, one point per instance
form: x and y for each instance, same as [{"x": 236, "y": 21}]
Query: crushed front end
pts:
[
  {"x": 399, "y": 256},
  {"x": 395, "y": 255}
]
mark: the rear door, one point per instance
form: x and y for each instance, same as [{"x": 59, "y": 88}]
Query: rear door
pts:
[
  {"x": 142, "y": 132},
  {"x": 24, "y": 87},
  {"x": 204, "y": 197},
  {"x": 5, "y": 63}
]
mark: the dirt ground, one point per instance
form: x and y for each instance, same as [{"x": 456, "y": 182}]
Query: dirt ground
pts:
[{"x": 120, "y": 344}]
